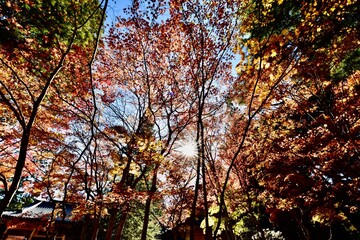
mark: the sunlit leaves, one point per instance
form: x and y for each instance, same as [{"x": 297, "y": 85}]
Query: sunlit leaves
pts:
[
  {"x": 283, "y": 135},
  {"x": 295, "y": 63},
  {"x": 37, "y": 69}
]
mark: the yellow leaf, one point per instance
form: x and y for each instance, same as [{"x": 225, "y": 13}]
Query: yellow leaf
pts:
[
  {"x": 273, "y": 53},
  {"x": 271, "y": 76},
  {"x": 352, "y": 228},
  {"x": 284, "y": 32},
  {"x": 317, "y": 218}
]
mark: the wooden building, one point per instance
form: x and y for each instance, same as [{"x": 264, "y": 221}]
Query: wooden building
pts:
[{"x": 41, "y": 220}]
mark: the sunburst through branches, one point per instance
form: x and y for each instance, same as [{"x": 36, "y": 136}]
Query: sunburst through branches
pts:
[{"x": 187, "y": 148}]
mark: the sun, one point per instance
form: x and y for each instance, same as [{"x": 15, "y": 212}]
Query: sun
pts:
[{"x": 187, "y": 148}]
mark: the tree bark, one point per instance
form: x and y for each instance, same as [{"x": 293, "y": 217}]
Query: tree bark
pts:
[
  {"x": 148, "y": 204},
  {"x": 113, "y": 214},
  {"x": 18, "y": 172},
  {"x": 124, "y": 214},
  {"x": 193, "y": 207},
  {"x": 146, "y": 218},
  {"x": 95, "y": 230}
]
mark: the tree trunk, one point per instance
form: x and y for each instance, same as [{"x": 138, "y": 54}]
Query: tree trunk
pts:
[
  {"x": 146, "y": 217},
  {"x": 148, "y": 204},
  {"x": 193, "y": 207},
  {"x": 95, "y": 230},
  {"x": 124, "y": 213},
  {"x": 113, "y": 214},
  {"x": 208, "y": 231},
  {"x": 18, "y": 172}
]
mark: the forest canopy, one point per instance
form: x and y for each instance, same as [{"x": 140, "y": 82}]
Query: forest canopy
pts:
[{"x": 179, "y": 118}]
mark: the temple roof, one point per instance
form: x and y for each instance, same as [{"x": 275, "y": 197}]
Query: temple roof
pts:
[{"x": 41, "y": 210}]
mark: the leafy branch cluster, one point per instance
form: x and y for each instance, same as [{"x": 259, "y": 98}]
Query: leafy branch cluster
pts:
[{"x": 262, "y": 94}]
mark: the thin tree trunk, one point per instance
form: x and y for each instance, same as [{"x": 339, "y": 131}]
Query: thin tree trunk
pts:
[
  {"x": 95, "y": 229},
  {"x": 18, "y": 172},
  {"x": 113, "y": 214},
  {"x": 124, "y": 214},
  {"x": 148, "y": 204},
  {"x": 146, "y": 217},
  {"x": 96, "y": 222},
  {"x": 193, "y": 207},
  {"x": 208, "y": 231}
]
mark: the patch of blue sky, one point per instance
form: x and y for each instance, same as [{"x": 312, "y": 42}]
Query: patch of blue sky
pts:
[{"x": 116, "y": 9}]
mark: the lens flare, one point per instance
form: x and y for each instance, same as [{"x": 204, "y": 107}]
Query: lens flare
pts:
[{"x": 187, "y": 148}]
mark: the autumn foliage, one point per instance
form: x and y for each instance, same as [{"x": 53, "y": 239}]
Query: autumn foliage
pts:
[{"x": 231, "y": 119}]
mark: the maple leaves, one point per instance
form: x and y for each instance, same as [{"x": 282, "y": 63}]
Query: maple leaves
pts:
[
  {"x": 317, "y": 166},
  {"x": 314, "y": 155},
  {"x": 281, "y": 140},
  {"x": 30, "y": 65},
  {"x": 299, "y": 149}
]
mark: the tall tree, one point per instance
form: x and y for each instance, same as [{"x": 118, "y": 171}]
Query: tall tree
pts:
[
  {"x": 169, "y": 66},
  {"x": 36, "y": 55},
  {"x": 297, "y": 136}
]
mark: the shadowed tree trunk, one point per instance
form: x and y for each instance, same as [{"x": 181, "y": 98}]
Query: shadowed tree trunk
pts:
[
  {"x": 113, "y": 213},
  {"x": 148, "y": 204},
  {"x": 122, "y": 220}
]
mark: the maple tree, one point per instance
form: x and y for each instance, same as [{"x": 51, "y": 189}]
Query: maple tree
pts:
[
  {"x": 154, "y": 130},
  {"x": 297, "y": 158},
  {"x": 37, "y": 63},
  {"x": 141, "y": 103},
  {"x": 153, "y": 62}
]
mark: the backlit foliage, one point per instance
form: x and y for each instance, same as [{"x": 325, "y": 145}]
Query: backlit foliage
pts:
[{"x": 241, "y": 118}]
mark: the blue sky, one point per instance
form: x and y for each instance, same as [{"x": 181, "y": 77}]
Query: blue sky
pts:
[{"x": 115, "y": 9}]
